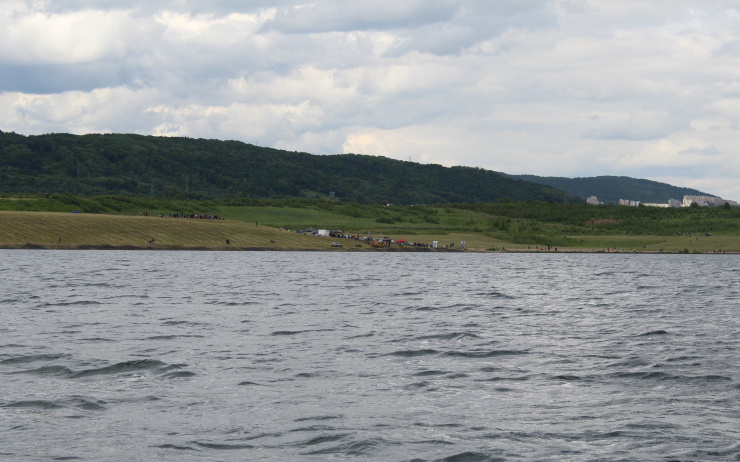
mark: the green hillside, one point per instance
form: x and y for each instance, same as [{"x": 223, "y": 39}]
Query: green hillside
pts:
[
  {"x": 138, "y": 165},
  {"x": 609, "y": 189}
]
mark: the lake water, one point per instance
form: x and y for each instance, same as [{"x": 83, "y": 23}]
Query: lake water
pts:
[{"x": 231, "y": 356}]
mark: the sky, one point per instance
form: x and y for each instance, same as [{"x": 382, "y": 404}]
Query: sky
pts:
[{"x": 575, "y": 88}]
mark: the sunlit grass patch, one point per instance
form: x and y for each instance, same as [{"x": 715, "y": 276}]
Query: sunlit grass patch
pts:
[{"x": 70, "y": 229}]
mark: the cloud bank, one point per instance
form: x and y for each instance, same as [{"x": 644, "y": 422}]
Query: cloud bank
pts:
[{"x": 546, "y": 87}]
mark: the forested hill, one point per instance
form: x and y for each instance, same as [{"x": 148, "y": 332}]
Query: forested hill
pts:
[
  {"x": 610, "y": 189},
  {"x": 199, "y": 168}
]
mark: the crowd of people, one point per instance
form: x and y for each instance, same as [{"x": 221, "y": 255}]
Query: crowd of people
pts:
[
  {"x": 196, "y": 216},
  {"x": 186, "y": 215}
]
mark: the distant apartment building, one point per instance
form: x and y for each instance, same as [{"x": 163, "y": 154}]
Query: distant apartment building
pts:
[
  {"x": 670, "y": 203},
  {"x": 702, "y": 201}
]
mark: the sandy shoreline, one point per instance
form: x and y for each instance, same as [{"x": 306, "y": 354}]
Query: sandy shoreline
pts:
[
  {"x": 159, "y": 247},
  {"x": 31, "y": 246}
]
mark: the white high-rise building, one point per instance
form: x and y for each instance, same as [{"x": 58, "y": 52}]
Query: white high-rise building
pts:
[{"x": 703, "y": 201}]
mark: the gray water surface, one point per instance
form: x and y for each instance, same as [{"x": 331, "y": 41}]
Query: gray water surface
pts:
[{"x": 221, "y": 356}]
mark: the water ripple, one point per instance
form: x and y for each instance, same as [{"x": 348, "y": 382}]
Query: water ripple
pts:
[{"x": 368, "y": 356}]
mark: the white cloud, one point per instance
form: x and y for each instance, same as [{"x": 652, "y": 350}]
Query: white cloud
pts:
[
  {"x": 548, "y": 87},
  {"x": 335, "y": 15},
  {"x": 102, "y": 110},
  {"x": 681, "y": 153},
  {"x": 76, "y": 37},
  {"x": 642, "y": 124},
  {"x": 228, "y": 122},
  {"x": 207, "y": 30}
]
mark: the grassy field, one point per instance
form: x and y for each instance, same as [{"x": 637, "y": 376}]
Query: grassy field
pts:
[
  {"x": 72, "y": 230},
  {"x": 693, "y": 244},
  {"x": 75, "y": 230},
  {"x": 401, "y": 221}
]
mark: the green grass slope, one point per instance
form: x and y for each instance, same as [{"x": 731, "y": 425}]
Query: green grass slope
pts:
[{"x": 72, "y": 230}]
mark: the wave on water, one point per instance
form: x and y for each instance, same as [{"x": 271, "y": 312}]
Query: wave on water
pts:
[
  {"x": 222, "y": 446},
  {"x": 247, "y": 383},
  {"x": 138, "y": 365},
  {"x": 470, "y": 457},
  {"x": 347, "y": 445},
  {"x": 654, "y": 332},
  {"x": 405, "y": 358},
  {"x": 247, "y": 303},
  {"x": 123, "y": 368},
  {"x": 174, "y": 337},
  {"x": 319, "y": 418},
  {"x": 73, "y": 303},
  {"x": 663, "y": 376},
  {"x": 288, "y": 332},
  {"x": 60, "y": 371},
  {"x": 496, "y": 294},
  {"x": 176, "y": 446},
  {"x": 77, "y": 402},
  {"x": 430, "y": 373},
  {"x": 414, "y": 353},
  {"x": 449, "y": 336},
  {"x": 179, "y": 374},
  {"x": 34, "y": 358},
  {"x": 40, "y": 404},
  {"x": 179, "y": 323},
  {"x": 485, "y": 354}
]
